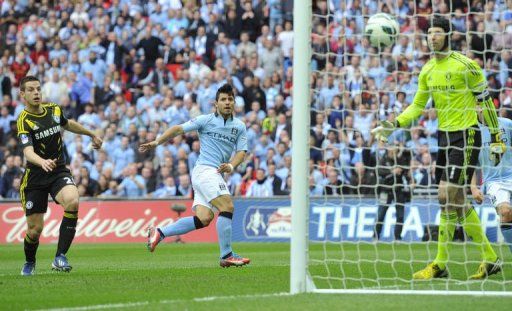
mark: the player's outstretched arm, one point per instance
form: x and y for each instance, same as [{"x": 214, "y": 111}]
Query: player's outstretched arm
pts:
[
  {"x": 77, "y": 128},
  {"x": 384, "y": 130},
  {"x": 171, "y": 132},
  {"x": 477, "y": 194},
  {"x": 46, "y": 164},
  {"x": 229, "y": 167},
  {"x": 410, "y": 114}
]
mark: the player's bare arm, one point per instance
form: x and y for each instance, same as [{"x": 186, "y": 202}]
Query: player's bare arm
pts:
[
  {"x": 171, "y": 132},
  {"x": 77, "y": 128},
  {"x": 46, "y": 164},
  {"x": 229, "y": 167},
  {"x": 477, "y": 194}
]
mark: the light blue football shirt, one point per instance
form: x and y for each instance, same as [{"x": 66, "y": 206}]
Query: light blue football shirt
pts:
[
  {"x": 503, "y": 171},
  {"x": 218, "y": 138}
]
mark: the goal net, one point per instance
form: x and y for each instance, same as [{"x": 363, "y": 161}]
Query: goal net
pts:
[{"x": 368, "y": 225}]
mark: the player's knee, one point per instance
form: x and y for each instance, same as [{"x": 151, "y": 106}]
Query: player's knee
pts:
[
  {"x": 34, "y": 231},
  {"x": 71, "y": 205},
  {"x": 505, "y": 211},
  {"x": 206, "y": 219},
  {"x": 442, "y": 196},
  {"x": 454, "y": 194},
  {"x": 228, "y": 208}
]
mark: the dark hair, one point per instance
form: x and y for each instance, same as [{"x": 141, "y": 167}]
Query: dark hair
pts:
[
  {"x": 444, "y": 24},
  {"x": 26, "y": 79},
  {"x": 225, "y": 89},
  {"x": 441, "y": 22}
]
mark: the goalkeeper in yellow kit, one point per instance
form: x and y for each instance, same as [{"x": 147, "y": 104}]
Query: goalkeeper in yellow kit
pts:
[{"x": 456, "y": 84}]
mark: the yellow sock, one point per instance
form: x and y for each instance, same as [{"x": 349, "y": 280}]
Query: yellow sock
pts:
[
  {"x": 473, "y": 228},
  {"x": 446, "y": 229}
]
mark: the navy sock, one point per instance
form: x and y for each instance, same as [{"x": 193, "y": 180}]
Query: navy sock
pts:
[
  {"x": 30, "y": 247},
  {"x": 67, "y": 232}
]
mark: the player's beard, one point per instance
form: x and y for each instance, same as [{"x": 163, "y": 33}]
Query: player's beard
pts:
[{"x": 225, "y": 114}]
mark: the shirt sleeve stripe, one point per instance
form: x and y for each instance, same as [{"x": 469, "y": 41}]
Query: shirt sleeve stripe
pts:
[
  {"x": 465, "y": 61},
  {"x": 21, "y": 123},
  {"x": 468, "y": 65},
  {"x": 490, "y": 116}
]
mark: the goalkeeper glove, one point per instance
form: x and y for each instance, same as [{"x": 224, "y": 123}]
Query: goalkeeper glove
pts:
[
  {"x": 497, "y": 148},
  {"x": 383, "y": 131}
]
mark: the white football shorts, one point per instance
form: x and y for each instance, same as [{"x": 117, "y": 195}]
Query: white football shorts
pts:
[
  {"x": 208, "y": 184},
  {"x": 499, "y": 192}
]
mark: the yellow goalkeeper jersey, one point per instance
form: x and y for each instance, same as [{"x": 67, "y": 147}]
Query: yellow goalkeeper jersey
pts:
[{"x": 455, "y": 84}]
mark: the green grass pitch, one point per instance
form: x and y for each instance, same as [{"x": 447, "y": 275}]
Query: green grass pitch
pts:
[{"x": 187, "y": 277}]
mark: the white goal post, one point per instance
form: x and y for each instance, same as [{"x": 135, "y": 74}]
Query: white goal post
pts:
[{"x": 302, "y": 13}]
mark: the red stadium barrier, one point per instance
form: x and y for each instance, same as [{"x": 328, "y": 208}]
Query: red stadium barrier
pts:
[{"x": 103, "y": 222}]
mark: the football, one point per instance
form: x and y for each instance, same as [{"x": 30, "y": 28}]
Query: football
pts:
[{"x": 382, "y": 30}]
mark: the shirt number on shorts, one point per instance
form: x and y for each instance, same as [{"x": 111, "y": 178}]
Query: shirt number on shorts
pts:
[{"x": 69, "y": 181}]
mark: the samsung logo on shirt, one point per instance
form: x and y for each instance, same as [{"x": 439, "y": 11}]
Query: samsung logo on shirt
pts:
[
  {"x": 442, "y": 87},
  {"x": 221, "y": 137},
  {"x": 48, "y": 132}
]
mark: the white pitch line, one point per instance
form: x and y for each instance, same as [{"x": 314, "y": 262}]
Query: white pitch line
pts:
[
  {"x": 144, "y": 303},
  {"x": 100, "y": 307}
]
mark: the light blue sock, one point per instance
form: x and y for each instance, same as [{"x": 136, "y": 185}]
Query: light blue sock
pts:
[
  {"x": 182, "y": 226},
  {"x": 224, "y": 232},
  {"x": 506, "y": 230}
]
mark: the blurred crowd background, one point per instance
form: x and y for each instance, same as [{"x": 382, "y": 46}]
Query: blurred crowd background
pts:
[{"x": 129, "y": 69}]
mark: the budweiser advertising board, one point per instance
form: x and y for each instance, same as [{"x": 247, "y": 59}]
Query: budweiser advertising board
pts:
[{"x": 103, "y": 222}]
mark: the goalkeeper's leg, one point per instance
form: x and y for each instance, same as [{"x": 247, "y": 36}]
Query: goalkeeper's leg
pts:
[
  {"x": 473, "y": 228},
  {"x": 448, "y": 220},
  {"x": 491, "y": 263},
  {"x": 447, "y": 201}
]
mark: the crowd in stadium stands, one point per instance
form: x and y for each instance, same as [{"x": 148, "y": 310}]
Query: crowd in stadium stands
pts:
[{"x": 129, "y": 69}]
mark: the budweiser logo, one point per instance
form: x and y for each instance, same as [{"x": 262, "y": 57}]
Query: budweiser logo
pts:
[{"x": 91, "y": 224}]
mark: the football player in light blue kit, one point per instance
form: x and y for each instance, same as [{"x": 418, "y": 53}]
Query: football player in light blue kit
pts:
[
  {"x": 497, "y": 179},
  {"x": 220, "y": 134}
]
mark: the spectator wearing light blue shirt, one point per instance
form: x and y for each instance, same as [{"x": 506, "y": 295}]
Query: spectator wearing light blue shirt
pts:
[
  {"x": 158, "y": 16},
  {"x": 146, "y": 100},
  {"x": 328, "y": 92},
  {"x": 184, "y": 187},
  {"x": 193, "y": 155},
  {"x": 111, "y": 141},
  {"x": 89, "y": 118},
  {"x": 168, "y": 189},
  {"x": 81, "y": 89},
  {"x": 5, "y": 120},
  {"x": 133, "y": 185},
  {"x": 97, "y": 66},
  {"x": 206, "y": 95},
  {"x": 176, "y": 113},
  {"x": 131, "y": 117},
  {"x": 122, "y": 156}
]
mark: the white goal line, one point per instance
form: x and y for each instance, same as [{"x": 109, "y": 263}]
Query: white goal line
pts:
[{"x": 413, "y": 292}]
